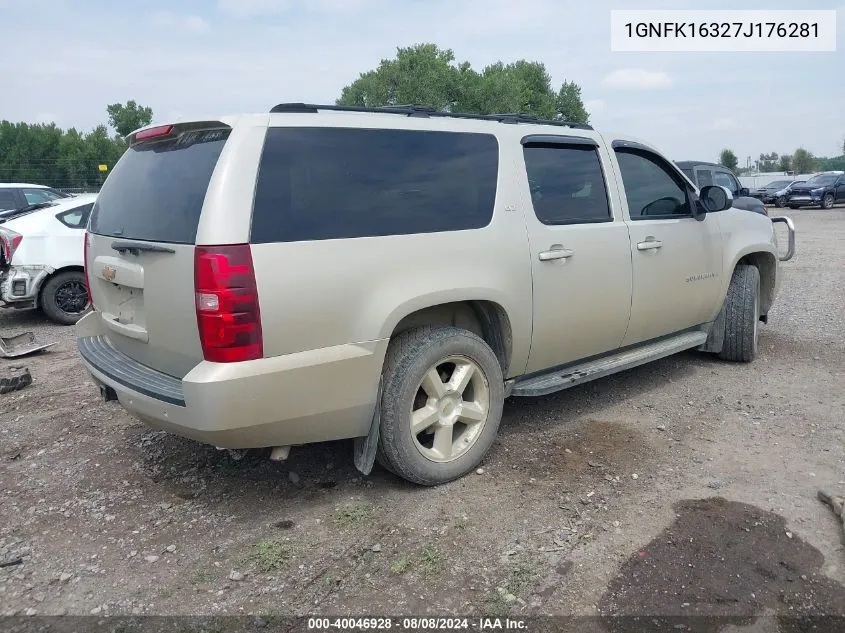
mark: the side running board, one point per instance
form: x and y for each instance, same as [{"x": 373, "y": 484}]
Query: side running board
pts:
[{"x": 560, "y": 379}]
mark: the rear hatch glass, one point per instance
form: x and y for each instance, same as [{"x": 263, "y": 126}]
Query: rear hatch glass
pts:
[
  {"x": 157, "y": 189},
  {"x": 153, "y": 200}
]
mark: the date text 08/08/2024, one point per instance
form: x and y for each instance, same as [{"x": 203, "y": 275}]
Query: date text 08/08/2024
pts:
[{"x": 417, "y": 624}]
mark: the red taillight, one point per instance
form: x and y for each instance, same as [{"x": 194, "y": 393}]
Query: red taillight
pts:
[
  {"x": 85, "y": 266},
  {"x": 228, "y": 317},
  {"x": 9, "y": 242},
  {"x": 153, "y": 132}
]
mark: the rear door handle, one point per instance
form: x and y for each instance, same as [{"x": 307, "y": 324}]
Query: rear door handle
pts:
[
  {"x": 556, "y": 252},
  {"x": 649, "y": 245}
]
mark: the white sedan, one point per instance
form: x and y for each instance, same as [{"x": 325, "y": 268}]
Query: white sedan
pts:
[{"x": 41, "y": 257}]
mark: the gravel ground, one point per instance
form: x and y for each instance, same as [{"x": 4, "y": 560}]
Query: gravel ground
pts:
[{"x": 646, "y": 492}]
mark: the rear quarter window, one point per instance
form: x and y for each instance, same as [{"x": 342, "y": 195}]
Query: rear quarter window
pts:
[
  {"x": 331, "y": 183},
  {"x": 157, "y": 188},
  {"x": 76, "y": 218}
]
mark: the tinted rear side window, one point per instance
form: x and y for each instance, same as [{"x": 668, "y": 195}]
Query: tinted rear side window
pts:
[
  {"x": 567, "y": 184},
  {"x": 156, "y": 190},
  {"x": 329, "y": 183}
]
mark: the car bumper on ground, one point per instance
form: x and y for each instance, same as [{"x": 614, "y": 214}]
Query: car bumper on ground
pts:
[
  {"x": 250, "y": 404},
  {"x": 20, "y": 285}
]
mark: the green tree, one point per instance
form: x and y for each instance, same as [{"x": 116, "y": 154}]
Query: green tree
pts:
[
  {"x": 126, "y": 118},
  {"x": 728, "y": 159},
  {"x": 803, "y": 162},
  {"x": 569, "y": 106},
  {"x": 426, "y": 75},
  {"x": 785, "y": 162},
  {"x": 768, "y": 162}
]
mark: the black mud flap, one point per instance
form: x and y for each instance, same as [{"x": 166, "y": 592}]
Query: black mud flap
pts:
[
  {"x": 366, "y": 447},
  {"x": 716, "y": 336}
]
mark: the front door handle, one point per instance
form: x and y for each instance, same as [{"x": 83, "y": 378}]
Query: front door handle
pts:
[
  {"x": 556, "y": 252},
  {"x": 649, "y": 245}
]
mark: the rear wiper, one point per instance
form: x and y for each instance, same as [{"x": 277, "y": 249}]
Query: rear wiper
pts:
[{"x": 133, "y": 248}]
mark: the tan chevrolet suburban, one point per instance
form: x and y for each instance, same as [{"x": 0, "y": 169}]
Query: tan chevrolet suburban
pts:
[{"x": 322, "y": 272}]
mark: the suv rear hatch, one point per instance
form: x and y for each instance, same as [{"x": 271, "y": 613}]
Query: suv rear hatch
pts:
[{"x": 140, "y": 247}]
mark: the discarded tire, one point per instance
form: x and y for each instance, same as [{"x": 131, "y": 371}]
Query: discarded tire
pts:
[{"x": 14, "y": 379}]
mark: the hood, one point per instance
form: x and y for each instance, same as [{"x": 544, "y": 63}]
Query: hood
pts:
[{"x": 808, "y": 187}]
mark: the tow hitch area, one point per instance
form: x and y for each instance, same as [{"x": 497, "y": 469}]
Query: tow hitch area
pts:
[{"x": 20, "y": 345}]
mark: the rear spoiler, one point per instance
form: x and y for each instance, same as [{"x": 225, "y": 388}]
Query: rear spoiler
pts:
[{"x": 159, "y": 131}]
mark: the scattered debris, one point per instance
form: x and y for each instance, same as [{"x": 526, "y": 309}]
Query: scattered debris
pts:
[
  {"x": 376, "y": 548},
  {"x": 236, "y": 576},
  {"x": 480, "y": 471},
  {"x": 20, "y": 345},
  {"x": 151, "y": 559},
  {"x": 14, "y": 378},
  {"x": 635, "y": 476},
  {"x": 837, "y": 505},
  {"x": 11, "y": 562}
]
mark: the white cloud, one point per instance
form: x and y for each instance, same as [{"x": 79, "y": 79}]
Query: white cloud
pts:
[
  {"x": 170, "y": 20},
  {"x": 725, "y": 124},
  {"x": 251, "y": 8},
  {"x": 637, "y": 79}
]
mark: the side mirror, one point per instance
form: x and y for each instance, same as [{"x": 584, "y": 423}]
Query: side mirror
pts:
[
  {"x": 715, "y": 198},
  {"x": 743, "y": 192}
]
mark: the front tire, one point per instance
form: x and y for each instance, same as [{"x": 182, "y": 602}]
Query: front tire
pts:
[
  {"x": 742, "y": 315},
  {"x": 827, "y": 201},
  {"x": 780, "y": 202},
  {"x": 64, "y": 298},
  {"x": 441, "y": 404}
]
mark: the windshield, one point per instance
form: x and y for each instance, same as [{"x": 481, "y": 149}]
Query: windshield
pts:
[
  {"x": 822, "y": 180},
  {"x": 778, "y": 184}
]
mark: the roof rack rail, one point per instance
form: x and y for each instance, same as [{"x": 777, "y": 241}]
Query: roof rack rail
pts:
[{"x": 422, "y": 111}]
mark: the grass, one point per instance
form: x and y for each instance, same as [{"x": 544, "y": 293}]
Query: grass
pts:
[
  {"x": 271, "y": 554},
  {"x": 432, "y": 559},
  {"x": 200, "y": 577},
  {"x": 352, "y": 515},
  {"x": 400, "y": 565},
  {"x": 519, "y": 579}
]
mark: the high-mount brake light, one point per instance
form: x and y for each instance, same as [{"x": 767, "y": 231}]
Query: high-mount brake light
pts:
[
  {"x": 153, "y": 132},
  {"x": 228, "y": 315}
]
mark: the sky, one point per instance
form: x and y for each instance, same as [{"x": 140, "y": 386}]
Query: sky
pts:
[{"x": 65, "y": 60}]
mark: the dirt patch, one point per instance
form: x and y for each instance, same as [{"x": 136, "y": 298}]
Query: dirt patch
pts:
[{"x": 722, "y": 562}]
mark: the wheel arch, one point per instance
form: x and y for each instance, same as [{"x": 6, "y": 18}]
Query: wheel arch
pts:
[
  {"x": 767, "y": 264},
  {"x": 488, "y": 319},
  {"x": 64, "y": 269}
]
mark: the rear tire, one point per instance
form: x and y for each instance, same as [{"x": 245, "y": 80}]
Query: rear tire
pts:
[
  {"x": 64, "y": 298},
  {"x": 742, "y": 315},
  {"x": 448, "y": 383}
]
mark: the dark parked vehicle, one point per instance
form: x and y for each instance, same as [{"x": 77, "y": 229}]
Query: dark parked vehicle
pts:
[
  {"x": 780, "y": 196},
  {"x": 704, "y": 174},
  {"x": 768, "y": 194},
  {"x": 824, "y": 190}
]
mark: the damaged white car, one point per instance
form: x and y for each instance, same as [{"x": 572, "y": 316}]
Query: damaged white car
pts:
[{"x": 41, "y": 257}]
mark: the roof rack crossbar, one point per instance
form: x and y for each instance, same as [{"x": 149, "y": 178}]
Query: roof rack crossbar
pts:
[{"x": 424, "y": 111}]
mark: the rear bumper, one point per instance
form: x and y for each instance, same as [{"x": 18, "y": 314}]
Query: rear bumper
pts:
[
  {"x": 314, "y": 396},
  {"x": 20, "y": 285}
]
